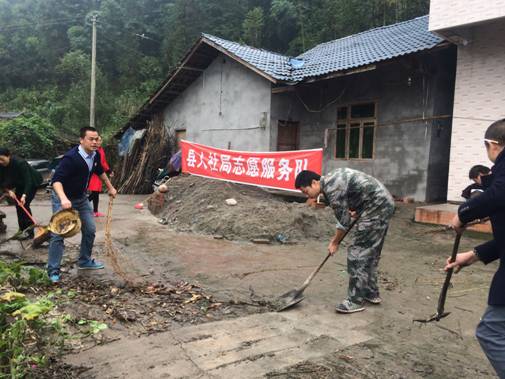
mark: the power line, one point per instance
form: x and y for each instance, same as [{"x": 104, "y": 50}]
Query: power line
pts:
[
  {"x": 143, "y": 36},
  {"x": 26, "y": 23},
  {"x": 124, "y": 46},
  {"x": 35, "y": 25}
]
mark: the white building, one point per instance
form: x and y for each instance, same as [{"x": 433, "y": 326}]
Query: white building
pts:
[{"x": 478, "y": 28}]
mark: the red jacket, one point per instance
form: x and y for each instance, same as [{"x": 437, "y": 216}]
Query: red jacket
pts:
[{"x": 95, "y": 183}]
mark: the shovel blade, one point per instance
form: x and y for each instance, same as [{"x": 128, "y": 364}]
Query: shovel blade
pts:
[
  {"x": 41, "y": 234},
  {"x": 289, "y": 299},
  {"x": 291, "y": 294},
  {"x": 435, "y": 317}
]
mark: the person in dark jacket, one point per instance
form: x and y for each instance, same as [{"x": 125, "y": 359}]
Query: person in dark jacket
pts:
[
  {"x": 20, "y": 180},
  {"x": 70, "y": 182},
  {"x": 491, "y": 203},
  {"x": 475, "y": 174}
]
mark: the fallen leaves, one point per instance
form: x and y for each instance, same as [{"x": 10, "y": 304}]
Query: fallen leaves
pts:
[
  {"x": 11, "y": 296},
  {"x": 145, "y": 309},
  {"x": 193, "y": 299}
]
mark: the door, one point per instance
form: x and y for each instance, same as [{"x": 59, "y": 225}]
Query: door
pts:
[{"x": 288, "y": 135}]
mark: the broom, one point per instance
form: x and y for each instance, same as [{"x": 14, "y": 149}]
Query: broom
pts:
[{"x": 110, "y": 251}]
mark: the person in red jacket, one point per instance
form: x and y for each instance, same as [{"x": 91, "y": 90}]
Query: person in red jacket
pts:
[{"x": 95, "y": 184}]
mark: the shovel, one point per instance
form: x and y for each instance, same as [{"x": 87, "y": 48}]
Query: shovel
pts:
[
  {"x": 39, "y": 232},
  {"x": 57, "y": 225},
  {"x": 295, "y": 296},
  {"x": 16, "y": 235},
  {"x": 443, "y": 293}
]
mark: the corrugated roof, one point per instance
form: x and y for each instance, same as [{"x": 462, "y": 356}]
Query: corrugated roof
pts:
[{"x": 353, "y": 51}]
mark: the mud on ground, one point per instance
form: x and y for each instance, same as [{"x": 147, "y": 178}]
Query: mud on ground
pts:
[
  {"x": 129, "y": 309},
  {"x": 194, "y": 204},
  {"x": 410, "y": 273}
]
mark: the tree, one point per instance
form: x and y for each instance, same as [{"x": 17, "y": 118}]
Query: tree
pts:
[
  {"x": 45, "y": 45},
  {"x": 28, "y": 135},
  {"x": 253, "y": 27}
]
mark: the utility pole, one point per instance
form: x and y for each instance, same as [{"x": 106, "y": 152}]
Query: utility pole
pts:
[{"x": 93, "y": 75}]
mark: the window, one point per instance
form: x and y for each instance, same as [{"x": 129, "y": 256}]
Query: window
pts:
[{"x": 355, "y": 131}]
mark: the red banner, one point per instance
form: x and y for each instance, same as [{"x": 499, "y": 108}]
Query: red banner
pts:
[{"x": 276, "y": 169}]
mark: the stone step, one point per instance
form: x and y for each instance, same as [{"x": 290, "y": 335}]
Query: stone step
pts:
[{"x": 245, "y": 347}]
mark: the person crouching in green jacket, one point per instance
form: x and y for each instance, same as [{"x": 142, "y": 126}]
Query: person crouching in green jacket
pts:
[{"x": 19, "y": 180}]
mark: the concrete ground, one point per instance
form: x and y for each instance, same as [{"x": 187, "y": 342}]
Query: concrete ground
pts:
[{"x": 310, "y": 340}]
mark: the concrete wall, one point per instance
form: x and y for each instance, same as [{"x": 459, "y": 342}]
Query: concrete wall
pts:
[
  {"x": 227, "y": 106},
  {"x": 478, "y": 101},
  {"x": 411, "y": 157},
  {"x": 445, "y": 14}
]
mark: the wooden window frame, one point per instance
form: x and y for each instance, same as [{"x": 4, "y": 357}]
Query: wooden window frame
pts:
[{"x": 348, "y": 121}]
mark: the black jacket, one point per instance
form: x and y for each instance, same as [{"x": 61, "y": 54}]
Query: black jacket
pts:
[
  {"x": 19, "y": 175},
  {"x": 471, "y": 189},
  {"x": 491, "y": 203},
  {"x": 73, "y": 173}
]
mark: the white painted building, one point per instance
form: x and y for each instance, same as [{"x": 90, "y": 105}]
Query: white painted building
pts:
[{"x": 478, "y": 28}]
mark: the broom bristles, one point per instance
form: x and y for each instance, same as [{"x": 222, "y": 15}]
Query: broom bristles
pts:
[{"x": 110, "y": 251}]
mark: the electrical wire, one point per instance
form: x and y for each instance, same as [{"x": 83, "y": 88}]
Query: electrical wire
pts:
[
  {"x": 123, "y": 46},
  {"x": 29, "y": 25},
  {"x": 307, "y": 108}
]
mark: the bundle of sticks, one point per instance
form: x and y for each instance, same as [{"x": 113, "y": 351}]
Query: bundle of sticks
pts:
[{"x": 139, "y": 167}]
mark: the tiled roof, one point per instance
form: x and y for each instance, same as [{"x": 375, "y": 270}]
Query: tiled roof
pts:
[
  {"x": 273, "y": 64},
  {"x": 350, "y": 52},
  {"x": 368, "y": 47},
  {"x": 342, "y": 54}
]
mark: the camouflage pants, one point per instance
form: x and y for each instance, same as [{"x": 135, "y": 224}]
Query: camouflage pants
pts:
[{"x": 363, "y": 257}]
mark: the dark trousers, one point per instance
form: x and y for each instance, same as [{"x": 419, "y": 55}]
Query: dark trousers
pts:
[
  {"x": 23, "y": 219},
  {"x": 94, "y": 196}
]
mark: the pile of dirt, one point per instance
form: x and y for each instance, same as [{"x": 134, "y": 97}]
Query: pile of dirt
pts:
[{"x": 195, "y": 204}]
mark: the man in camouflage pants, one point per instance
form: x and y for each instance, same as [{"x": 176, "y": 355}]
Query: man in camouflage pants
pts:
[{"x": 352, "y": 193}]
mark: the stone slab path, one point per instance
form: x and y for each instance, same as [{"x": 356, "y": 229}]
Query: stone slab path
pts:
[{"x": 246, "y": 347}]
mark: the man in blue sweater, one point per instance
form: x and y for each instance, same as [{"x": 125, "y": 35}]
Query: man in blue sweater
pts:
[
  {"x": 491, "y": 203},
  {"x": 70, "y": 182}
]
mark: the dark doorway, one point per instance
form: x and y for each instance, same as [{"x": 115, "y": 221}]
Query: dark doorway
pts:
[{"x": 288, "y": 135}]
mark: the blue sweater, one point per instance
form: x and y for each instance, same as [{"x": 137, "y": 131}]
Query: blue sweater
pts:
[
  {"x": 491, "y": 203},
  {"x": 73, "y": 173}
]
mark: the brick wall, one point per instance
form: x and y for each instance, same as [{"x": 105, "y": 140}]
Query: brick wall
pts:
[
  {"x": 451, "y": 13},
  {"x": 479, "y": 99}
]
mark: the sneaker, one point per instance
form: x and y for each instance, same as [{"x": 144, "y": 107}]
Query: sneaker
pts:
[
  {"x": 54, "y": 278},
  {"x": 373, "y": 300},
  {"x": 98, "y": 214},
  {"x": 91, "y": 265},
  {"x": 348, "y": 306}
]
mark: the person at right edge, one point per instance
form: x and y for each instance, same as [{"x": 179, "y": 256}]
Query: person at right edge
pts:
[{"x": 491, "y": 203}]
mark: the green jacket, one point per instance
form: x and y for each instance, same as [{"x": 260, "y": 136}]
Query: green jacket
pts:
[
  {"x": 19, "y": 175},
  {"x": 346, "y": 189}
]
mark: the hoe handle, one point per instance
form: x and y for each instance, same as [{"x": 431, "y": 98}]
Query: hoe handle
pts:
[
  {"x": 445, "y": 287},
  {"x": 20, "y": 205},
  {"x": 309, "y": 279}
]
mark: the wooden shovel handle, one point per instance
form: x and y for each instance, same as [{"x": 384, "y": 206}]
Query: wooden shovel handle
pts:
[{"x": 309, "y": 279}]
